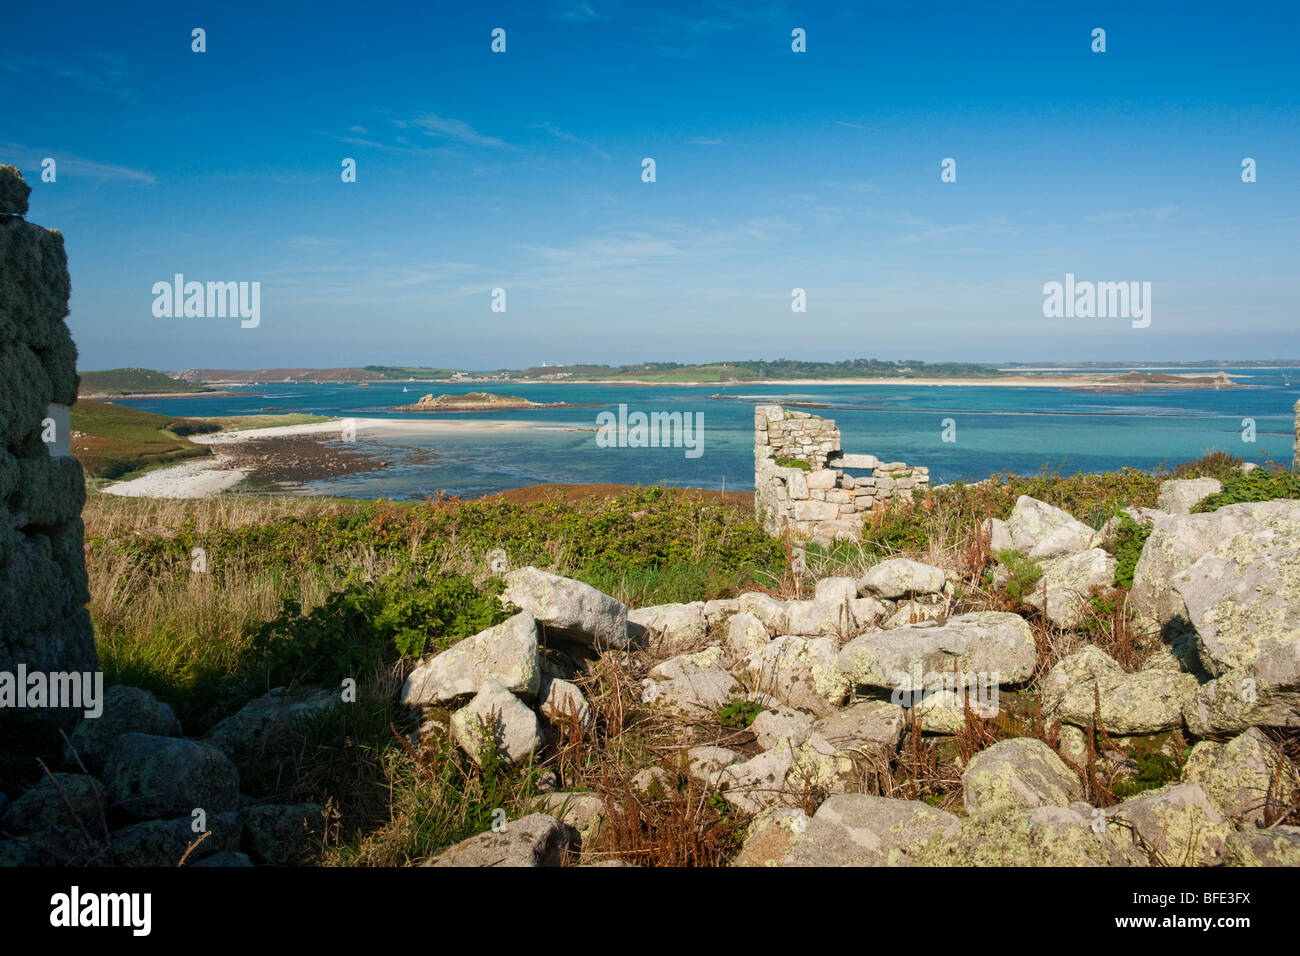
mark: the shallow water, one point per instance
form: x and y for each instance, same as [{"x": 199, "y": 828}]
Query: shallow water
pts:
[{"x": 996, "y": 429}]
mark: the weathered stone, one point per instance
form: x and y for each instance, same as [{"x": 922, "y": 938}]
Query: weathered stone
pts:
[
  {"x": 126, "y": 710},
  {"x": 227, "y": 860},
  {"x": 1243, "y": 777},
  {"x": 569, "y": 610},
  {"x": 1179, "y": 541},
  {"x": 854, "y": 829},
  {"x": 534, "y": 840},
  {"x": 672, "y": 626},
  {"x": 563, "y": 702},
  {"x": 1042, "y": 836},
  {"x": 835, "y": 590},
  {"x": 1177, "y": 823},
  {"x": 269, "y": 722},
  {"x": 1243, "y": 596},
  {"x": 1265, "y": 693},
  {"x": 506, "y": 653},
  {"x": 745, "y": 635},
  {"x": 1020, "y": 772},
  {"x": 1063, "y": 591},
  {"x": 585, "y": 812},
  {"x": 653, "y": 783},
  {"x": 770, "y": 836},
  {"x": 800, "y": 672},
  {"x": 166, "y": 842},
  {"x": 1178, "y": 495},
  {"x": 150, "y": 777},
  {"x": 767, "y": 609},
  {"x": 1039, "y": 530},
  {"x": 900, "y": 577},
  {"x": 1145, "y": 702},
  {"x": 54, "y": 817},
  {"x": 759, "y": 782},
  {"x": 777, "y": 724},
  {"x": 983, "y": 642},
  {"x": 1276, "y": 846},
  {"x": 693, "y": 685},
  {"x": 706, "y": 763},
  {"x": 496, "y": 718}
]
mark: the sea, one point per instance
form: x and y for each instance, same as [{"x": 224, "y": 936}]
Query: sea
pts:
[{"x": 962, "y": 433}]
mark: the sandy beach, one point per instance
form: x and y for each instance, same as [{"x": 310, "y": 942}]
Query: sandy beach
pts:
[{"x": 289, "y": 454}]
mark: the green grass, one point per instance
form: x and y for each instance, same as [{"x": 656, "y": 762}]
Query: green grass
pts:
[
  {"x": 232, "y": 423},
  {"x": 119, "y": 442}
]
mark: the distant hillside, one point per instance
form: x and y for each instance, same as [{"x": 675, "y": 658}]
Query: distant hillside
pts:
[
  {"x": 218, "y": 376},
  {"x": 133, "y": 381}
]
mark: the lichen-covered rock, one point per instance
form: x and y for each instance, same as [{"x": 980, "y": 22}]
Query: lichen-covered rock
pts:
[
  {"x": 1178, "y": 495},
  {"x": 980, "y": 643},
  {"x": 1265, "y": 693},
  {"x": 268, "y": 722},
  {"x": 669, "y": 627},
  {"x": 166, "y": 842},
  {"x": 835, "y": 590},
  {"x": 496, "y": 719},
  {"x": 770, "y": 836},
  {"x": 563, "y": 702},
  {"x": 901, "y": 577},
  {"x": 569, "y": 610},
  {"x": 759, "y": 782},
  {"x": 585, "y": 812},
  {"x": 506, "y": 653},
  {"x": 1276, "y": 846},
  {"x": 800, "y": 672},
  {"x": 1179, "y": 541},
  {"x": 745, "y": 635},
  {"x": 653, "y": 783},
  {"x": 126, "y": 710},
  {"x": 943, "y": 711},
  {"x": 285, "y": 834},
  {"x": 769, "y": 610},
  {"x": 692, "y": 685},
  {"x": 149, "y": 777},
  {"x": 1021, "y": 772},
  {"x": 52, "y": 814},
  {"x": 1243, "y": 777},
  {"x": 777, "y": 724},
  {"x": 854, "y": 829},
  {"x": 534, "y": 840},
  {"x": 1039, "y": 530},
  {"x": 831, "y": 618},
  {"x": 1243, "y": 596},
  {"x": 1063, "y": 591},
  {"x": 706, "y": 763},
  {"x": 1145, "y": 702},
  {"x": 1177, "y": 823},
  {"x": 1018, "y": 836},
  {"x": 717, "y": 612}
]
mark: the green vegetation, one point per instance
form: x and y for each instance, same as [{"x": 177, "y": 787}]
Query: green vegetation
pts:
[
  {"x": 233, "y": 423},
  {"x": 117, "y": 441},
  {"x": 757, "y": 371},
  {"x": 134, "y": 381},
  {"x": 1022, "y": 573},
  {"x": 783, "y": 462},
  {"x": 739, "y": 713},
  {"x": 1129, "y": 540},
  {"x": 1262, "y": 484}
]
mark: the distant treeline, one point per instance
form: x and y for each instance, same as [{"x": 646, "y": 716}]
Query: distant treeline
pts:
[{"x": 756, "y": 370}]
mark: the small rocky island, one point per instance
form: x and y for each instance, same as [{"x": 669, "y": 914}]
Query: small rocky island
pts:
[{"x": 474, "y": 402}]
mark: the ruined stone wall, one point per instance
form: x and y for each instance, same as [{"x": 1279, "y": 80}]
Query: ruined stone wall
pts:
[
  {"x": 824, "y": 500},
  {"x": 43, "y": 587}
]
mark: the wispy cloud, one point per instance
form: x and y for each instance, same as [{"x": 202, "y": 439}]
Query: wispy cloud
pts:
[
  {"x": 26, "y": 157},
  {"x": 103, "y": 74},
  {"x": 457, "y": 131},
  {"x": 560, "y": 134},
  {"x": 870, "y": 129},
  {"x": 1159, "y": 214}
]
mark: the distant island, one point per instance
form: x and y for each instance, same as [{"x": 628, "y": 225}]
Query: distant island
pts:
[
  {"x": 475, "y": 402},
  {"x": 136, "y": 383}
]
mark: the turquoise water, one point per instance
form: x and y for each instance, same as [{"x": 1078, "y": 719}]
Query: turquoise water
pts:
[{"x": 997, "y": 429}]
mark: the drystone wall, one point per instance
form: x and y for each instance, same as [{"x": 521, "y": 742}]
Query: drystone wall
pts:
[
  {"x": 827, "y": 493},
  {"x": 44, "y": 625}
]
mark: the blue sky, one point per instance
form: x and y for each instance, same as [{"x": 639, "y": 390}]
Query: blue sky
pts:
[{"x": 775, "y": 170}]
